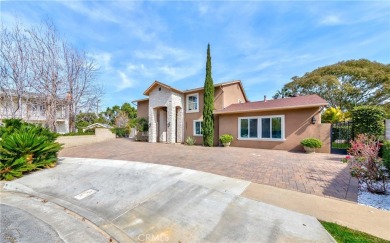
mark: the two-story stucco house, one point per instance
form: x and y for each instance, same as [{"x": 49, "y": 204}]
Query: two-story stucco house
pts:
[
  {"x": 31, "y": 108},
  {"x": 271, "y": 124}
]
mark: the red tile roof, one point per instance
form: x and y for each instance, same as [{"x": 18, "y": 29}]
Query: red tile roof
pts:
[{"x": 278, "y": 104}]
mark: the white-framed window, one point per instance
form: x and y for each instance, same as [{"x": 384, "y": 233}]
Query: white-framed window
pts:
[
  {"x": 198, "y": 128},
  {"x": 268, "y": 128},
  {"x": 192, "y": 103}
]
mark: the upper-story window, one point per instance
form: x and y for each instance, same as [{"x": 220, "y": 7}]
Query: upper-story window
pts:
[{"x": 193, "y": 102}]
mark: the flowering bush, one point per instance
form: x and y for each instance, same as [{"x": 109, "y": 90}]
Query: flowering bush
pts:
[{"x": 365, "y": 163}]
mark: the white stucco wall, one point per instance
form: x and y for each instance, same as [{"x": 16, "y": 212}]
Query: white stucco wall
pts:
[{"x": 163, "y": 97}]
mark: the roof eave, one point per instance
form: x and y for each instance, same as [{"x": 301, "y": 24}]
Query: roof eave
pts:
[
  {"x": 215, "y": 86},
  {"x": 148, "y": 90},
  {"x": 140, "y": 100},
  {"x": 270, "y": 109}
]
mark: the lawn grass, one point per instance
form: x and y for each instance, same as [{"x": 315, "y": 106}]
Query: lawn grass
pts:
[
  {"x": 340, "y": 145},
  {"x": 346, "y": 235}
]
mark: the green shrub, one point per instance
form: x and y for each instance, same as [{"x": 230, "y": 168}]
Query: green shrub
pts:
[
  {"x": 311, "y": 143},
  {"x": 386, "y": 154},
  {"x": 368, "y": 120},
  {"x": 120, "y": 132},
  {"x": 26, "y": 148},
  {"x": 226, "y": 138},
  {"x": 140, "y": 124},
  {"x": 13, "y": 125},
  {"x": 190, "y": 140},
  {"x": 80, "y": 133}
]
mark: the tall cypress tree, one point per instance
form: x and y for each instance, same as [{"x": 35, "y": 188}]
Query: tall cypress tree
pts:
[{"x": 208, "y": 118}]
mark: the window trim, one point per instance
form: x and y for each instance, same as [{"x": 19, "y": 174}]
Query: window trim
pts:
[
  {"x": 259, "y": 138},
  {"x": 194, "y": 128},
  {"x": 197, "y": 103}
]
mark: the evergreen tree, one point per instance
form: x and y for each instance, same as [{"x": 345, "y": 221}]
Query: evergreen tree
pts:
[{"x": 208, "y": 118}]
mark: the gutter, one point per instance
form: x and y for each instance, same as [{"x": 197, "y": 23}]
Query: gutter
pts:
[{"x": 270, "y": 109}]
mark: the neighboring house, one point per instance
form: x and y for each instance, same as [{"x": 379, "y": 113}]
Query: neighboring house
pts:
[
  {"x": 270, "y": 124},
  {"x": 97, "y": 125},
  {"x": 31, "y": 109}
]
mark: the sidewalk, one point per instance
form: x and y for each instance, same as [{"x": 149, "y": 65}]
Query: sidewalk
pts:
[{"x": 359, "y": 217}]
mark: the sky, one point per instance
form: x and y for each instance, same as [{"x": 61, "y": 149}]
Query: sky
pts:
[{"x": 261, "y": 43}]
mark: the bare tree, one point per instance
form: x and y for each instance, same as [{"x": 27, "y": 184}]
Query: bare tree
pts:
[
  {"x": 15, "y": 62},
  {"x": 45, "y": 50},
  {"x": 80, "y": 73},
  {"x": 41, "y": 71}
]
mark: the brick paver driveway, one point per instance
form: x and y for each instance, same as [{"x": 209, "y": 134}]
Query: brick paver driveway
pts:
[{"x": 319, "y": 174}]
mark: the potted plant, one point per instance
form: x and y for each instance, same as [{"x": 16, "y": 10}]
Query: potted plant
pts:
[
  {"x": 310, "y": 144},
  {"x": 226, "y": 139}
]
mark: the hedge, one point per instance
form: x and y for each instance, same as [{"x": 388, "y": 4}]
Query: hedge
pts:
[
  {"x": 386, "y": 154},
  {"x": 368, "y": 120}
]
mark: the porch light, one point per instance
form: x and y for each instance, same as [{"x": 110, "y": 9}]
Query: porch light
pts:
[
  {"x": 313, "y": 120},
  {"x": 169, "y": 124}
]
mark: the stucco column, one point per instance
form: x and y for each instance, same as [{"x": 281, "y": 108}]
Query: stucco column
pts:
[
  {"x": 152, "y": 125},
  {"x": 180, "y": 127},
  {"x": 171, "y": 119}
]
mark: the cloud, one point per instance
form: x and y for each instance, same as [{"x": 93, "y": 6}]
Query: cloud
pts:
[
  {"x": 331, "y": 20},
  {"x": 203, "y": 8},
  {"x": 151, "y": 55},
  {"x": 125, "y": 82},
  {"x": 103, "y": 59},
  {"x": 92, "y": 12},
  {"x": 167, "y": 73},
  {"x": 178, "y": 73},
  {"x": 161, "y": 52}
]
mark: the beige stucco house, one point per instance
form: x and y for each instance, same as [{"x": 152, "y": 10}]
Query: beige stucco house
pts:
[
  {"x": 31, "y": 108},
  {"x": 270, "y": 124}
]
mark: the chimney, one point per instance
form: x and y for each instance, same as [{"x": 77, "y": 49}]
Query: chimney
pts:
[{"x": 265, "y": 98}]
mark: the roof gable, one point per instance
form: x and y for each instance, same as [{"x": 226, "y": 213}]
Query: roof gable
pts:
[{"x": 157, "y": 83}]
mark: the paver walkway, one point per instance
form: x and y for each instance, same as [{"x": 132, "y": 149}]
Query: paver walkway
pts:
[{"x": 318, "y": 174}]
